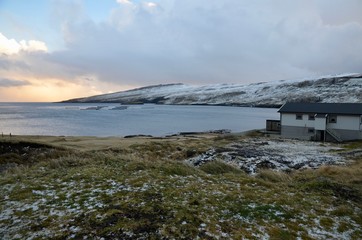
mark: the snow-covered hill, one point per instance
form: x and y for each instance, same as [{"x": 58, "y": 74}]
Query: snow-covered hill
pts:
[{"x": 339, "y": 88}]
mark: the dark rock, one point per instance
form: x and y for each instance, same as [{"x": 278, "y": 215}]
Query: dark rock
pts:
[
  {"x": 265, "y": 164},
  {"x": 139, "y": 135},
  {"x": 297, "y": 166}
]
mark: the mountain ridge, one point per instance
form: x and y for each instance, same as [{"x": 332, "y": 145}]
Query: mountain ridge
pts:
[{"x": 330, "y": 89}]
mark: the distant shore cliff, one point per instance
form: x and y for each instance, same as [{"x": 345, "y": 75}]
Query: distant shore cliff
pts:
[{"x": 331, "y": 89}]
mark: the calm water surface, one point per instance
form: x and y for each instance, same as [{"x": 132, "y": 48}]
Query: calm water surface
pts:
[{"x": 70, "y": 119}]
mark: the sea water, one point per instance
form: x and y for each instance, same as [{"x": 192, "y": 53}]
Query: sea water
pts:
[{"x": 73, "y": 119}]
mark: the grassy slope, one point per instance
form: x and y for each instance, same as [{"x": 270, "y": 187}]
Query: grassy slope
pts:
[{"x": 140, "y": 188}]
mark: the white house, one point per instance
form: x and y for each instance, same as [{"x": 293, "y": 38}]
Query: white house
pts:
[{"x": 321, "y": 121}]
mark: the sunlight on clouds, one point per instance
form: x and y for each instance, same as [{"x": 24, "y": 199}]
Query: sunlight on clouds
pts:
[
  {"x": 151, "y": 4},
  {"x": 124, "y": 2},
  {"x": 8, "y": 46},
  {"x": 34, "y": 78},
  {"x": 11, "y": 46},
  {"x": 33, "y": 46},
  {"x": 150, "y": 7},
  {"x": 53, "y": 90},
  {"x": 42, "y": 91}
]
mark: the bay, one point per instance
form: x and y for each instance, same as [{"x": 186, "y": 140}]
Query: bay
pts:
[{"x": 71, "y": 119}]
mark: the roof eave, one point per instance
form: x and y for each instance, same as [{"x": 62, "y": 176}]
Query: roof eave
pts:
[{"x": 281, "y": 108}]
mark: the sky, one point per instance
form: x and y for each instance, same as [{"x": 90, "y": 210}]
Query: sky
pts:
[{"x": 52, "y": 50}]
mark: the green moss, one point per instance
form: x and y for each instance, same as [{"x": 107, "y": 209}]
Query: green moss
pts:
[
  {"x": 21, "y": 193},
  {"x": 282, "y": 234},
  {"x": 256, "y": 211},
  {"x": 354, "y": 145},
  {"x": 342, "y": 210},
  {"x": 10, "y": 158},
  {"x": 329, "y": 186},
  {"x": 326, "y": 223}
]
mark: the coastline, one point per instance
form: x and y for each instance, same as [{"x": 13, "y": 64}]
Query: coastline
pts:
[
  {"x": 176, "y": 104},
  {"x": 101, "y": 143}
]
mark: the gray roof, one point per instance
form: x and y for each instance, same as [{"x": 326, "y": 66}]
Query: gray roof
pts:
[{"x": 323, "y": 108}]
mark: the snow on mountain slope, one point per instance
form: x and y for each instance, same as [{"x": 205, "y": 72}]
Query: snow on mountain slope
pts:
[{"x": 329, "y": 89}]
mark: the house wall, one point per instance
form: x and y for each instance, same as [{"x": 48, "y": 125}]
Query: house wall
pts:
[
  {"x": 347, "y": 135},
  {"x": 296, "y": 132},
  {"x": 320, "y": 123},
  {"x": 346, "y": 123},
  {"x": 289, "y": 119},
  {"x": 347, "y": 127},
  {"x": 293, "y": 128},
  {"x": 343, "y": 122}
]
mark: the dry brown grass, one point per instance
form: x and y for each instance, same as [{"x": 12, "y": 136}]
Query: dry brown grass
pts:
[
  {"x": 273, "y": 176},
  {"x": 346, "y": 174},
  {"x": 108, "y": 143}
]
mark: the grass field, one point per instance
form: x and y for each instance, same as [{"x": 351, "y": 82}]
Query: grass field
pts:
[{"x": 141, "y": 188}]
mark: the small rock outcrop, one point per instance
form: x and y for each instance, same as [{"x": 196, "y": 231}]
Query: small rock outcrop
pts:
[{"x": 254, "y": 154}]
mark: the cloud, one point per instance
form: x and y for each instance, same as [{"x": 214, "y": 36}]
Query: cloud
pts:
[
  {"x": 11, "y": 46},
  {"x": 124, "y": 2},
  {"x": 4, "y": 82},
  {"x": 336, "y": 12},
  {"x": 197, "y": 42},
  {"x": 213, "y": 41}
]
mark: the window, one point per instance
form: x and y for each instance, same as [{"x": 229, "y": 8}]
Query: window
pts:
[
  {"x": 332, "y": 119},
  {"x": 310, "y": 130},
  {"x": 311, "y": 117},
  {"x": 299, "y": 116}
]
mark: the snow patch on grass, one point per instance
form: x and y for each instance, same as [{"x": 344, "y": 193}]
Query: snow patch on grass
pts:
[
  {"x": 277, "y": 154},
  {"x": 69, "y": 201}
]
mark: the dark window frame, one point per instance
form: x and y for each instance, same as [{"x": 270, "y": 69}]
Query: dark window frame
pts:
[
  {"x": 311, "y": 117},
  {"x": 332, "y": 119},
  {"x": 299, "y": 116}
]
